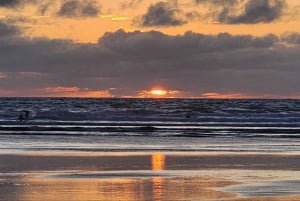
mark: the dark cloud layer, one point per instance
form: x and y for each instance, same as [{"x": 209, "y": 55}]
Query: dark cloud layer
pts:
[
  {"x": 79, "y": 8},
  {"x": 257, "y": 11},
  {"x": 131, "y": 4},
  {"x": 45, "y": 6},
  {"x": 156, "y": 45},
  {"x": 9, "y": 3},
  {"x": 162, "y": 14},
  {"x": 291, "y": 38},
  {"x": 217, "y": 2},
  {"x": 253, "y": 11},
  {"x": 12, "y": 4},
  {"x": 134, "y": 61},
  {"x": 8, "y": 30}
]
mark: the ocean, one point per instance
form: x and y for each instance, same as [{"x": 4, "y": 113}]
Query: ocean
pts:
[{"x": 150, "y": 125}]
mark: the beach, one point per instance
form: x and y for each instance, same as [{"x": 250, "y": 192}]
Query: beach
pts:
[
  {"x": 149, "y": 150},
  {"x": 133, "y": 176}
]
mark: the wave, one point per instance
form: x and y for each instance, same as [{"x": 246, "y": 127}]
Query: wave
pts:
[
  {"x": 162, "y": 130},
  {"x": 152, "y": 117}
]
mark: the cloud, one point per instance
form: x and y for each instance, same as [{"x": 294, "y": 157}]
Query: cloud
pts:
[
  {"x": 229, "y": 95},
  {"x": 134, "y": 62},
  {"x": 12, "y": 4},
  {"x": 291, "y": 38},
  {"x": 42, "y": 6},
  {"x": 79, "y": 8},
  {"x": 217, "y": 2},
  {"x": 73, "y": 92},
  {"x": 8, "y": 30},
  {"x": 45, "y": 6},
  {"x": 9, "y": 3},
  {"x": 257, "y": 11},
  {"x": 162, "y": 14},
  {"x": 154, "y": 44},
  {"x": 131, "y": 4},
  {"x": 244, "y": 11},
  {"x": 2, "y": 75}
]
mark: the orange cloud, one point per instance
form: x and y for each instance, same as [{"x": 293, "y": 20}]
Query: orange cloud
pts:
[
  {"x": 7, "y": 93},
  {"x": 233, "y": 95},
  {"x": 228, "y": 95},
  {"x": 29, "y": 74},
  {"x": 2, "y": 75},
  {"x": 62, "y": 89},
  {"x": 75, "y": 92}
]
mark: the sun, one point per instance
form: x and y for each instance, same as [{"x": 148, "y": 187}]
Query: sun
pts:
[{"x": 158, "y": 92}]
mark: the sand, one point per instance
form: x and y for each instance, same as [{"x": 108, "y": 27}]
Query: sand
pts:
[{"x": 149, "y": 176}]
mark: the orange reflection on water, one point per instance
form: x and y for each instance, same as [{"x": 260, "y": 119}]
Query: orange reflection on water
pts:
[
  {"x": 78, "y": 190},
  {"x": 157, "y": 188},
  {"x": 158, "y": 164},
  {"x": 158, "y": 161}
]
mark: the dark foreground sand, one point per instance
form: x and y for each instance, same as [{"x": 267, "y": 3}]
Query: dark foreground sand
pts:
[{"x": 149, "y": 176}]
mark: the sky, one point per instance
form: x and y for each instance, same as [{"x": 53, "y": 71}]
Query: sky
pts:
[{"x": 150, "y": 48}]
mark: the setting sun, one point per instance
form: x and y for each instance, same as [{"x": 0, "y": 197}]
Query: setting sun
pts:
[{"x": 158, "y": 92}]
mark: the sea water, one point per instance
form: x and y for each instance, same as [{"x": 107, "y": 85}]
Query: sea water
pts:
[{"x": 147, "y": 125}]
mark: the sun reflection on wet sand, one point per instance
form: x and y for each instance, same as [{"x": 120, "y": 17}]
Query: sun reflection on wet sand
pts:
[
  {"x": 158, "y": 161},
  {"x": 157, "y": 188},
  {"x": 74, "y": 190},
  {"x": 112, "y": 189},
  {"x": 126, "y": 178},
  {"x": 158, "y": 164}
]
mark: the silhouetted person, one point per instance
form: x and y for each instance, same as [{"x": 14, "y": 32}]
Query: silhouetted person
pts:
[
  {"x": 188, "y": 115},
  {"x": 20, "y": 118},
  {"x": 26, "y": 112},
  {"x": 24, "y": 115}
]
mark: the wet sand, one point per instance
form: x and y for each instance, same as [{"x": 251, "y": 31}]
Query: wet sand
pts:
[{"x": 149, "y": 176}]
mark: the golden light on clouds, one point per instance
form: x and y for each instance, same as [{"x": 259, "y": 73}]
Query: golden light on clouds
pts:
[
  {"x": 113, "y": 16},
  {"x": 236, "y": 95},
  {"x": 134, "y": 43},
  {"x": 215, "y": 95},
  {"x": 76, "y": 92}
]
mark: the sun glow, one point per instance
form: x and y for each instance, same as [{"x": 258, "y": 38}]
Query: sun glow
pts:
[{"x": 158, "y": 92}]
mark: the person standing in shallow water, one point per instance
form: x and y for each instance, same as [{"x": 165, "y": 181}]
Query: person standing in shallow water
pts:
[
  {"x": 23, "y": 116},
  {"x": 26, "y": 112},
  {"x": 188, "y": 115}
]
